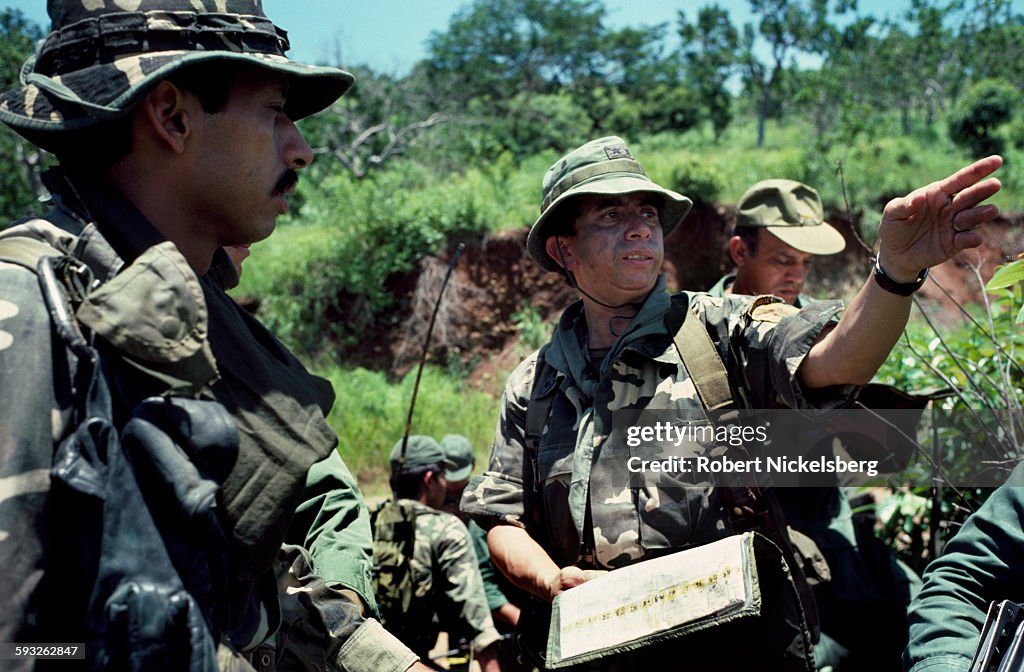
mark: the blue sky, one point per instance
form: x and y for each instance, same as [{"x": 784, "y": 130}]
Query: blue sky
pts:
[{"x": 389, "y": 35}]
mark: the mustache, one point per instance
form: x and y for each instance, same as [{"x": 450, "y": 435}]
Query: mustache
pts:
[{"x": 289, "y": 178}]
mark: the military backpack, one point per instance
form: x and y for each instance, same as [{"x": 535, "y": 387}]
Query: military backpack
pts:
[{"x": 394, "y": 536}]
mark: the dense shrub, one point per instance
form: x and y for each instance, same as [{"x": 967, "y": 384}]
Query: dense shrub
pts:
[{"x": 974, "y": 123}]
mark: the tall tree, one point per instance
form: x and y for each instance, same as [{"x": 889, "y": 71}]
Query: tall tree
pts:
[
  {"x": 788, "y": 28},
  {"x": 19, "y": 184},
  {"x": 512, "y": 61},
  {"x": 709, "y": 47}
]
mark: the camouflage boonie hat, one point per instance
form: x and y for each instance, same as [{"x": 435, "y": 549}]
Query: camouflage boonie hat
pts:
[
  {"x": 602, "y": 166},
  {"x": 459, "y": 450},
  {"x": 793, "y": 213},
  {"x": 102, "y": 57},
  {"x": 421, "y": 451}
]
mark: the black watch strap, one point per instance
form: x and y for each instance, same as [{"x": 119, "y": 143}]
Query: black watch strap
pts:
[{"x": 900, "y": 288}]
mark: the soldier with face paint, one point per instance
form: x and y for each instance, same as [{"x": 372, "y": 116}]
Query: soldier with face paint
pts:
[{"x": 554, "y": 497}]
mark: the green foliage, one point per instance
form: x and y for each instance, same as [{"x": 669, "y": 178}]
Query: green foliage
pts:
[
  {"x": 698, "y": 179},
  {"x": 22, "y": 161},
  {"x": 1008, "y": 277},
  {"x": 370, "y": 412},
  {"x": 709, "y": 48},
  {"x": 532, "y": 329},
  {"x": 980, "y": 424},
  {"x": 988, "y": 105},
  {"x": 368, "y": 232}
]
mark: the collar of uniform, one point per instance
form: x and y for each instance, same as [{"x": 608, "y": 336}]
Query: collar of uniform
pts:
[{"x": 117, "y": 219}]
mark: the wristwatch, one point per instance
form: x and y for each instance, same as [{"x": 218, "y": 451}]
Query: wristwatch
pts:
[{"x": 900, "y": 288}]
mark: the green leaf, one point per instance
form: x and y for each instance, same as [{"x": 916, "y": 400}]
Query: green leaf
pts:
[{"x": 1007, "y": 275}]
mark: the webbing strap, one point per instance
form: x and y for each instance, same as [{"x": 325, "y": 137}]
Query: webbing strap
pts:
[
  {"x": 706, "y": 369},
  {"x": 26, "y": 251}
]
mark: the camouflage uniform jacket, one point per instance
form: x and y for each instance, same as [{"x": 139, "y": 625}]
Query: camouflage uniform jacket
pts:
[
  {"x": 598, "y": 518},
  {"x": 278, "y": 407},
  {"x": 446, "y": 582}
]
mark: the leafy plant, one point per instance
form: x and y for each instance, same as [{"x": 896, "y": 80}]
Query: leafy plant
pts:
[
  {"x": 976, "y": 432},
  {"x": 533, "y": 330}
]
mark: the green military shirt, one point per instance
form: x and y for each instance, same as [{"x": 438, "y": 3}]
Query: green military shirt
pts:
[{"x": 980, "y": 564}]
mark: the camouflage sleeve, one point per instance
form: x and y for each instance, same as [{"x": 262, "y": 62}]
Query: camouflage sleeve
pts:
[
  {"x": 33, "y": 416},
  {"x": 498, "y": 496},
  {"x": 333, "y": 524},
  {"x": 764, "y": 340},
  {"x": 460, "y": 579},
  {"x": 322, "y": 622}
]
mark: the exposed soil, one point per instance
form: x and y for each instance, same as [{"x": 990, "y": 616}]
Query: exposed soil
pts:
[{"x": 475, "y": 330}]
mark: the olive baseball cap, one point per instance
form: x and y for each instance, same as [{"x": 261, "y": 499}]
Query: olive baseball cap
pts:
[
  {"x": 101, "y": 58},
  {"x": 421, "y": 451},
  {"x": 459, "y": 450},
  {"x": 792, "y": 212},
  {"x": 603, "y": 166}
]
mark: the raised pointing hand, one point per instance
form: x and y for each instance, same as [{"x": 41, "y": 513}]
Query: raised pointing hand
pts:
[{"x": 932, "y": 224}]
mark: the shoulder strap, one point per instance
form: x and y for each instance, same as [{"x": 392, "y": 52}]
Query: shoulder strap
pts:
[
  {"x": 26, "y": 251},
  {"x": 539, "y": 406},
  {"x": 749, "y": 506},
  {"x": 701, "y": 360}
]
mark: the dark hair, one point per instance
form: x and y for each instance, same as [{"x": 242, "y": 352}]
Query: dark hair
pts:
[
  {"x": 406, "y": 485},
  {"x": 99, "y": 147},
  {"x": 749, "y": 235}
]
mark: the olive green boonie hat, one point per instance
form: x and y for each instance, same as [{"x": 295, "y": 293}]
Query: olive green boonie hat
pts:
[
  {"x": 792, "y": 212},
  {"x": 421, "y": 451},
  {"x": 459, "y": 450},
  {"x": 102, "y": 56},
  {"x": 603, "y": 166}
]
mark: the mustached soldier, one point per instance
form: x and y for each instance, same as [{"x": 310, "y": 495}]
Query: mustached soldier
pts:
[{"x": 155, "y": 438}]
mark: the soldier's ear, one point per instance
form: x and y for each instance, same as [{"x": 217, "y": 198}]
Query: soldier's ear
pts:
[
  {"x": 560, "y": 252},
  {"x": 165, "y": 112},
  {"x": 738, "y": 251}
]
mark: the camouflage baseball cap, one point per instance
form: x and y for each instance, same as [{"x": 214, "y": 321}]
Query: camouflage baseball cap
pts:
[
  {"x": 459, "y": 450},
  {"x": 421, "y": 451},
  {"x": 101, "y": 58},
  {"x": 792, "y": 212},
  {"x": 602, "y": 166}
]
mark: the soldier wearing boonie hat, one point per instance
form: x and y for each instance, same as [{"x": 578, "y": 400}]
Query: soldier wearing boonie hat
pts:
[
  {"x": 557, "y": 497},
  {"x": 777, "y": 261},
  {"x": 600, "y": 167},
  {"x": 173, "y": 121},
  {"x": 101, "y": 58}
]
